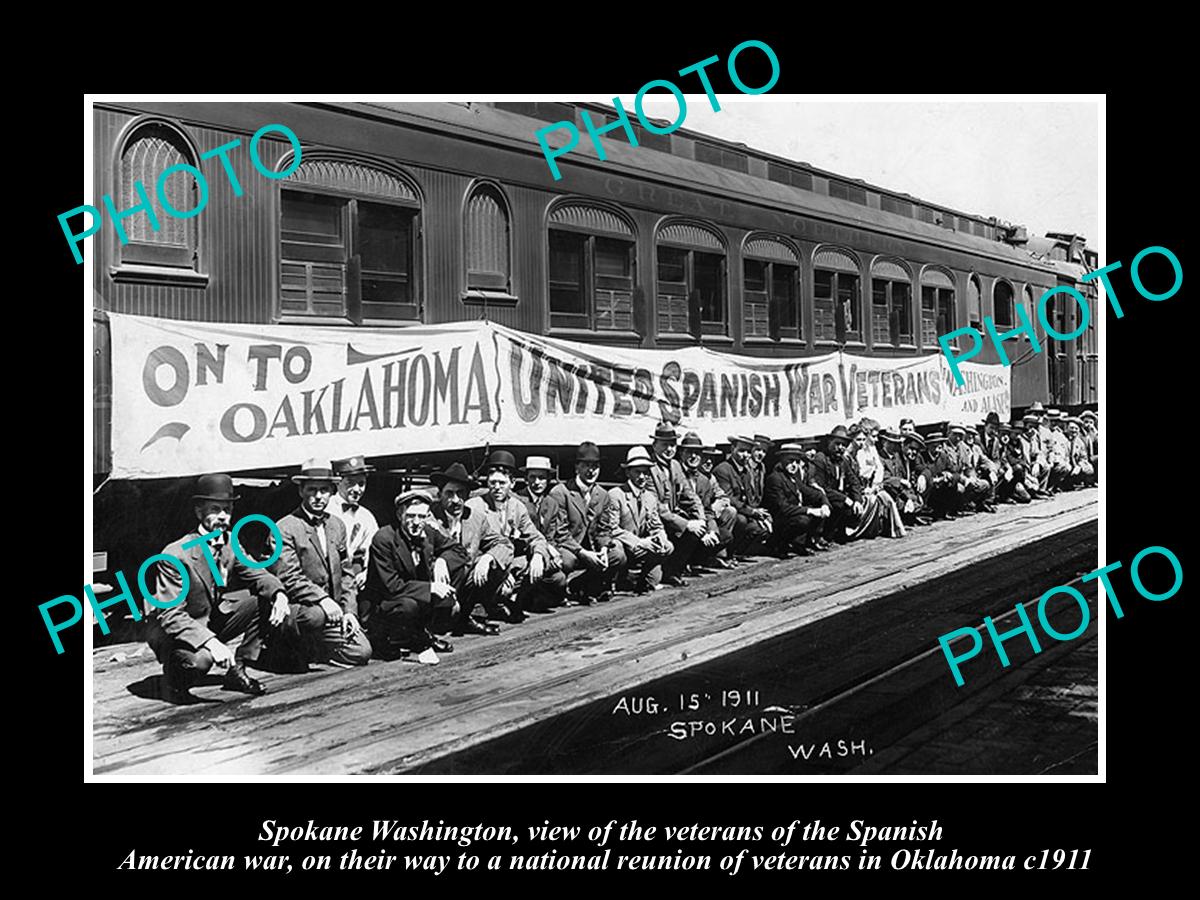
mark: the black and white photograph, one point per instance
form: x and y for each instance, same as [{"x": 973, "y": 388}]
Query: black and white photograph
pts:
[{"x": 538, "y": 436}]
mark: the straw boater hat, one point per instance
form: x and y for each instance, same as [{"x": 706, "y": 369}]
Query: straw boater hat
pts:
[
  {"x": 1054, "y": 414},
  {"x": 217, "y": 486},
  {"x": 404, "y": 499},
  {"x": 740, "y": 439},
  {"x": 1029, "y": 417},
  {"x": 935, "y": 437},
  {"x": 665, "y": 431},
  {"x": 762, "y": 440},
  {"x": 455, "y": 472},
  {"x": 538, "y": 464},
  {"x": 956, "y": 427},
  {"x": 316, "y": 470},
  {"x": 637, "y": 457},
  {"x": 893, "y": 436},
  {"x": 915, "y": 438},
  {"x": 1088, "y": 414},
  {"x": 790, "y": 451},
  {"x": 714, "y": 452},
  {"x": 354, "y": 465}
]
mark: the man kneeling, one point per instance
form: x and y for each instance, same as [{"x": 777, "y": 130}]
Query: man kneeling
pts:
[{"x": 408, "y": 595}]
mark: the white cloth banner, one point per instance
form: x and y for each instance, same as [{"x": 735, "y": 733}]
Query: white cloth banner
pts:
[{"x": 193, "y": 397}]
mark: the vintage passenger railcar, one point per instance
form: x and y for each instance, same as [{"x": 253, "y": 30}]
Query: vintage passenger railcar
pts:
[{"x": 437, "y": 212}]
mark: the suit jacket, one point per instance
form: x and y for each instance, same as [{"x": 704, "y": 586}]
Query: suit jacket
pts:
[
  {"x": 677, "y": 502},
  {"x": 187, "y": 621},
  {"x": 475, "y": 538},
  {"x": 308, "y": 574},
  {"x": 588, "y": 525},
  {"x": 756, "y": 483},
  {"x": 633, "y": 516},
  {"x": 839, "y": 480},
  {"x": 393, "y": 575},
  {"x": 708, "y": 492},
  {"x": 736, "y": 483},
  {"x": 898, "y": 467},
  {"x": 510, "y": 520},
  {"x": 549, "y": 514},
  {"x": 783, "y": 494}
]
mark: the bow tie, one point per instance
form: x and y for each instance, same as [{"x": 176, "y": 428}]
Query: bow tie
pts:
[{"x": 350, "y": 507}]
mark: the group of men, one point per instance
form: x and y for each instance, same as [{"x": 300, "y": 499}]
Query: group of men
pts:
[{"x": 463, "y": 556}]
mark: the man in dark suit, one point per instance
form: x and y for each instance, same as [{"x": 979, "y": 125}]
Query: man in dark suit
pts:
[
  {"x": 832, "y": 473},
  {"x": 751, "y": 526},
  {"x": 191, "y": 635},
  {"x": 408, "y": 595},
  {"x": 906, "y": 476},
  {"x": 589, "y": 552},
  {"x": 317, "y": 572},
  {"x": 719, "y": 524},
  {"x": 798, "y": 508}
]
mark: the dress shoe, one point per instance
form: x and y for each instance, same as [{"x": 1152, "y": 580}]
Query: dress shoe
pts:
[
  {"x": 440, "y": 645},
  {"x": 474, "y": 626},
  {"x": 236, "y": 679},
  {"x": 674, "y": 581}
]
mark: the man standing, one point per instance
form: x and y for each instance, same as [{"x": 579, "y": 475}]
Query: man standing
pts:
[
  {"x": 589, "y": 552},
  {"x": 633, "y": 517},
  {"x": 360, "y": 522},
  {"x": 192, "y": 636},
  {"x": 509, "y": 518},
  {"x": 408, "y": 595},
  {"x": 314, "y": 566},
  {"x": 751, "y": 527},
  {"x": 547, "y": 512},
  {"x": 799, "y": 508},
  {"x": 679, "y": 508},
  {"x": 470, "y": 550},
  {"x": 719, "y": 525}
]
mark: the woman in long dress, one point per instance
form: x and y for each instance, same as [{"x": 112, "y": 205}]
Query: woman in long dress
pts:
[{"x": 881, "y": 505}]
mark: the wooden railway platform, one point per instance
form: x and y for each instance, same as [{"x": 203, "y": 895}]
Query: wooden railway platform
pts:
[{"x": 525, "y": 690}]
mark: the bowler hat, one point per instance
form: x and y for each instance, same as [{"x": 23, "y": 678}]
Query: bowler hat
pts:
[
  {"x": 637, "y": 456},
  {"x": 354, "y": 465},
  {"x": 408, "y": 497},
  {"x": 839, "y": 433},
  {"x": 218, "y": 486},
  {"x": 501, "y": 458},
  {"x": 587, "y": 452},
  {"x": 664, "y": 431},
  {"x": 692, "y": 441},
  {"x": 454, "y": 472},
  {"x": 315, "y": 470}
]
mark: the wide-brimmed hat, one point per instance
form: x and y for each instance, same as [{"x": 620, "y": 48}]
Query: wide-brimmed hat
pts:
[
  {"x": 316, "y": 470},
  {"x": 691, "y": 441},
  {"x": 539, "y": 464},
  {"x": 637, "y": 456},
  {"x": 217, "y": 486},
  {"x": 786, "y": 451},
  {"x": 715, "y": 452},
  {"x": 740, "y": 439},
  {"x": 407, "y": 497},
  {"x": 1037, "y": 407},
  {"x": 664, "y": 431},
  {"x": 839, "y": 433},
  {"x": 914, "y": 437},
  {"x": 587, "y": 452},
  {"x": 992, "y": 418},
  {"x": 501, "y": 458},
  {"x": 454, "y": 472},
  {"x": 353, "y": 465}
]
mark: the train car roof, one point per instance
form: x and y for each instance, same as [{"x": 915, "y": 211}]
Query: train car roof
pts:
[{"x": 513, "y": 129}]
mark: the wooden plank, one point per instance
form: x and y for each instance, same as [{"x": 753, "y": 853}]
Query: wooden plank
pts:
[{"x": 394, "y": 715}]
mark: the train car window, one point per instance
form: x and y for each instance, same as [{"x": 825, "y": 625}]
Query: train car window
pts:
[
  {"x": 1002, "y": 305},
  {"x": 487, "y": 240},
  {"x": 836, "y": 296},
  {"x": 974, "y": 303},
  {"x": 591, "y": 275},
  {"x": 937, "y": 307},
  {"x": 891, "y": 304},
  {"x": 691, "y": 295},
  {"x": 149, "y": 150},
  {"x": 770, "y": 289}
]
